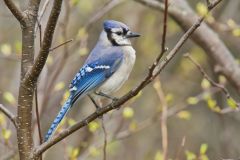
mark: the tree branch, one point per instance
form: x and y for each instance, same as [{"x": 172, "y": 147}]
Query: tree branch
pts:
[
  {"x": 33, "y": 74},
  {"x": 26, "y": 91},
  {"x": 212, "y": 82},
  {"x": 18, "y": 14},
  {"x": 116, "y": 104},
  {"x": 7, "y": 113},
  {"x": 164, "y": 130},
  {"x": 212, "y": 45}
]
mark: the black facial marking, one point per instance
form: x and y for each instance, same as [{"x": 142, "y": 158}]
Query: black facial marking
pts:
[
  {"x": 110, "y": 38},
  {"x": 119, "y": 33},
  {"x": 125, "y": 31}
]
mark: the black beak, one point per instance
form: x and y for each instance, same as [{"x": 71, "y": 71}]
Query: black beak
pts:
[{"x": 132, "y": 35}]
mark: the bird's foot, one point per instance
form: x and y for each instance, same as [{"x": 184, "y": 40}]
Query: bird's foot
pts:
[{"x": 107, "y": 96}]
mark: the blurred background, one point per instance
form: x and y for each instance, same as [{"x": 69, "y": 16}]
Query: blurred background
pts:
[{"x": 196, "y": 128}]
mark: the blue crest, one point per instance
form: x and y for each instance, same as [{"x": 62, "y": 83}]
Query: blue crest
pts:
[{"x": 109, "y": 24}]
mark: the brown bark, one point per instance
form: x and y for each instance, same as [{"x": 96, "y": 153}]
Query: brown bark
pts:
[{"x": 25, "y": 98}]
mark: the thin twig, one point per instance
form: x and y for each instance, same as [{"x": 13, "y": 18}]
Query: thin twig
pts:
[
  {"x": 105, "y": 140},
  {"x": 116, "y": 104},
  {"x": 40, "y": 32},
  {"x": 36, "y": 93},
  {"x": 159, "y": 90},
  {"x": 18, "y": 14},
  {"x": 41, "y": 13},
  {"x": 150, "y": 121},
  {"x": 164, "y": 25},
  {"x": 38, "y": 118},
  {"x": 211, "y": 81},
  {"x": 221, "y": 54},
  {"x": 205, "y": 75},
  {"x": 64, "y": 43},
  {"x": 9, "y": 114}
]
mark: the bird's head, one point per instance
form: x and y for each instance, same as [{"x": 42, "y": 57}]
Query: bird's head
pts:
[{"x": 117, "y": 33}]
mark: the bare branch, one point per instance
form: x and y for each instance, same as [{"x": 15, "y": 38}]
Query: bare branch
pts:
[
  {"x": 212, "y": 82},
  {"x": 164, "y": 130},
  {"x": 37, "y": 115},
  {"x": 40, "y": 15},
  {"x": 123, "y": 99},
  {"x": 164, "y": 25},
  {"x": 7, "y": 113},
  {"x": 205, "y": 75},
  {"x": 212, "y": 45},
  {"x": 33, "y": 74},
  {"x": 64, "y": 43},
  {"x": 18, "y": 14}
]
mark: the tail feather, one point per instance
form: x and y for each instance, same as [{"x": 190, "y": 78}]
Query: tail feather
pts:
[{"x": 67, "y": 105}]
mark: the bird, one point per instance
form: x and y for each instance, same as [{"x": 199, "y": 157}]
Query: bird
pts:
[{"x": 105, "y": 70}]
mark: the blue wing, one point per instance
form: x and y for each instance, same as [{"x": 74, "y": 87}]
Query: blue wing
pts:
[
  {"x": 90, "y": 76},
  {"x": 93, "y": 74}
]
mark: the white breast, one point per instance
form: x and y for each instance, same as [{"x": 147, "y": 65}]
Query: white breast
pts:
[{"x": 122, "y": 74}]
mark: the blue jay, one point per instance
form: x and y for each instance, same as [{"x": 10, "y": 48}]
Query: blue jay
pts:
[{"x": 105, "y": 70}]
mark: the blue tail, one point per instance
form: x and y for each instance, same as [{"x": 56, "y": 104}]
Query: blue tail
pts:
[{"x": 67, "y": 105}]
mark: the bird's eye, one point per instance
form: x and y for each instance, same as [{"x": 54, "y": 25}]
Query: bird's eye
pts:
[{"x": 119, "y": 33}]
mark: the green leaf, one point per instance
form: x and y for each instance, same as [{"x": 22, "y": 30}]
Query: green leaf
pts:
[
  {"x": 184, "y": 115},
  {"x": 59, "y": 86},
  {"x": 94, "y": 151},
  {"x": 8, "y": 96},
  {"x": 236, "y": 32},
  {"x": 82, "y": 33},
  {"x": 211, "y": 103},
  {"x": 6, "y": 49},
  {"x": 169, "y": 98},
  {"x": 71, "y": 122},
  {"x": 93, "y": 126},
  {"x": 128, "y": 112},
  {"x": 222, "y": 79},
  {"x": 133, "y": 126},
  {"x": 231, "y": 23},
  {"x": 205, "y": 84},
  {"x": 6, "y": 134},
  {"x": 192, "y": 100},
  {"x": 201, "y": 9},
  {"x": 2, "y": 119},
  {"x": 204, "y": 157},
  {"x": 190, "y": 155},
  {"x": 232, "y": 103},
  {"x": 49, "y": 60},
  {"x": 203, "y": 148},
  {"x": 83, "y": 51},
  {"x": 74, "y": 2},
  {"x": 158, "y": 156},
  {"x": 73, "y": 152},
  {"x": 18, "y": 47}
]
